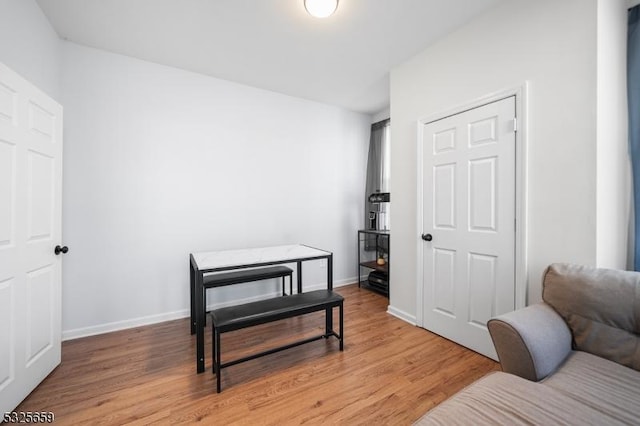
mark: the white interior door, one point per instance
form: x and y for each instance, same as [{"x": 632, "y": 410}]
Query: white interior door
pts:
[
  {"x": 468, "y": 223},
  {"x": 30, "y": 228}
]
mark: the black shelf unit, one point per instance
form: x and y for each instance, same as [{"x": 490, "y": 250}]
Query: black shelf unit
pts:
[{"x": 377, "y": 244}]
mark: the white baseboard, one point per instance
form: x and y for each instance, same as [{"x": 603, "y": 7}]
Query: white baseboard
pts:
[
  {"x": 184, "y": 313},
  {"x": 411, "y": 319},
  {"x": 93, "y": 330},
  {"x": 339, "y": 283}
]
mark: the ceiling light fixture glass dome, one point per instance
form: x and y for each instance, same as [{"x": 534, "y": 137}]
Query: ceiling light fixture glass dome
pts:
[{"x": 321, "y": 8}]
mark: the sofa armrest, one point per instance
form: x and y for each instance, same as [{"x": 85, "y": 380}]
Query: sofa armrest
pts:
[{"x": 531, "y": 342}]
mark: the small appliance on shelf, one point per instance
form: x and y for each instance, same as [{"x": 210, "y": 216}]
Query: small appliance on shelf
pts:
[{"x": 379, "y": 217}]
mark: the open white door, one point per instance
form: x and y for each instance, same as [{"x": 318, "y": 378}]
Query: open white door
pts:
[
  {"x": 468, "y": 223},
  {"x": 30, "y": 229}
]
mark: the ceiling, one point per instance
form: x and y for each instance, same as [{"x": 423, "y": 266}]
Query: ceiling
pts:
[{"x": 343, "y": 60}]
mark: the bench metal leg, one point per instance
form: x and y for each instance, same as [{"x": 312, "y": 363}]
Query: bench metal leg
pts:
[
  {"x": 204, "y": 303},
  {"x": 341, "y": 326},
  {"x": 213, "y": 348},
  {"x": 217, "y": 358},
  {"x": 328, "y": 316},
  {"x": 290, "y": 284}
]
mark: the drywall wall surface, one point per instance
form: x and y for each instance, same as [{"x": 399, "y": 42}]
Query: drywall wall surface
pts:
[
  {"x": 551, "y": 45},
  {"x": 613, "y": 163},
  {"x": 381, "y": 115},
  {"x": 160, "y": 162},
  {"x": 29, "y": 45}
]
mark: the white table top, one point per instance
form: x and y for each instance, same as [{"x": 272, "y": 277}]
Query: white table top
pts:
[{"x": 255, "y": 256}]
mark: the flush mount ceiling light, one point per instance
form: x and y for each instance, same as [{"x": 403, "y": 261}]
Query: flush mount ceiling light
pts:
[{"x": 321, "y": 8}]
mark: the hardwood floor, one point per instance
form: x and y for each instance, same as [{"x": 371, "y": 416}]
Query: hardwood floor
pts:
[{"x": 389, "y": 373}]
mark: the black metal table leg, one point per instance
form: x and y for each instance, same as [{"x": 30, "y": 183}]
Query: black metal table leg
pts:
[
  {"x": 192, "y": 283},
  {"x": 199, "y": 308},
  {"x": 329, "y": 312},
  {"x": 299, "y": 276},
  {"x": 330, "y": 272},
  {"x": 358, "y": 247}
]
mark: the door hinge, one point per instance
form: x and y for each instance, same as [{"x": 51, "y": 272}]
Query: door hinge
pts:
[{"x": 515, "y": 124}]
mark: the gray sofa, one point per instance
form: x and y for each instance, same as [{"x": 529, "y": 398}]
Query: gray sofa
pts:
[{"x": 572, "y": 359}]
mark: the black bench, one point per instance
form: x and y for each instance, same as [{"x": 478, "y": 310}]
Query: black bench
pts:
[
  {"x": 264, "y": 311},
  {"x": 248, "y": 275},
  {"x": 243, "y": 276}
]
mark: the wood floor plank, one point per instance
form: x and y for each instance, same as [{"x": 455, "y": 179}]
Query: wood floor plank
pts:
[{"x": 389, "y": 373}]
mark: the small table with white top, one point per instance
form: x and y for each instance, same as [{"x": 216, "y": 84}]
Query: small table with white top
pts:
[{"x": 226, "y": 260}]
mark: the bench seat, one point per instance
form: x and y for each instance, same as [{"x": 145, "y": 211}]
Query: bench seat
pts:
[
  {"x": 261, "y": 312},
  {"x": 245, "y": 276}
]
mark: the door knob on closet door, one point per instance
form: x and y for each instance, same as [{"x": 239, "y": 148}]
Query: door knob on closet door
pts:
[
  {"x": 427, "y": 237},
  {"x": 62, "y": 250}
]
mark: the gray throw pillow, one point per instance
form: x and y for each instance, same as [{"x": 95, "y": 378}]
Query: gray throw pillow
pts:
[{"x": 600, "y": 306}]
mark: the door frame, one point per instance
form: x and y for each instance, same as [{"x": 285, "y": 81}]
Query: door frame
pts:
[{"x": 520, "y": 93}]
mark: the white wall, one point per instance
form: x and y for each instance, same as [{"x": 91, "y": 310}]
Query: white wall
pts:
[
  {"x": 381, "y": 115},
  {"x": 613, "y": 164},
  {"x": 552, "y": 45},
  {"x": 29, "y": 45},
  {"x": 160, "y": 162}
]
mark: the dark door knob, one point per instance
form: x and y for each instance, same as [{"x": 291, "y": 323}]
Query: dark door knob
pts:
[
  {"x": 427, "y": 237},
  {"x": 62, "y": 250}
]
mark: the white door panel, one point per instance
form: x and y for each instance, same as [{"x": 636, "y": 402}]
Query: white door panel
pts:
[
  {"x": 7, "y": 192},
  {"x": 30, "y": 228},
  {"x": 468, "y": 205}
]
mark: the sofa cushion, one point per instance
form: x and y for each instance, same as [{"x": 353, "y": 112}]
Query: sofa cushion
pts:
[
  {"x": 601, "y": 307},
  {"x": 604, "y": 385},
  {"x": 504, "y": 399}
]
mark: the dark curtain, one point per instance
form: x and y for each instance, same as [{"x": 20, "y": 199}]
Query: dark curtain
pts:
[
  {"x": 376, "y": 171},
  {"x": 633, "y": 87}
]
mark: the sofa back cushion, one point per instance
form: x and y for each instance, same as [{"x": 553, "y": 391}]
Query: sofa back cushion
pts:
[{"x": 601, "y": 307}]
